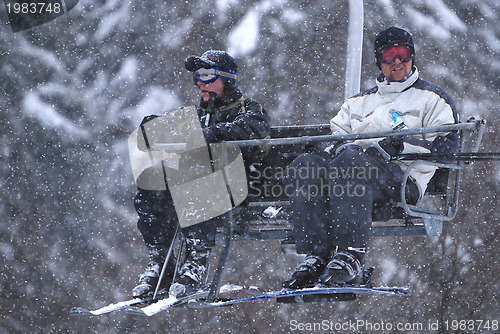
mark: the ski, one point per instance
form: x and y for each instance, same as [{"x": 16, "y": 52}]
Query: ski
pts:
[
  {"x": 109, "y": 308},
  {"x": 172, "y": 301},
  {"x": 301, "y": 295},
  {"x": 165, "y": 303}
]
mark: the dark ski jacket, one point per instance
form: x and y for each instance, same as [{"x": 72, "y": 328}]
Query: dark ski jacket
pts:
[{"x": 234, "y": 117}]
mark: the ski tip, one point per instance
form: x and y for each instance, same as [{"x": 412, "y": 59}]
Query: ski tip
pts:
[
  {"x": 404, "y": 291},
  {"x": 401, "y": 291},
  {"x": 80, "y": 311}
]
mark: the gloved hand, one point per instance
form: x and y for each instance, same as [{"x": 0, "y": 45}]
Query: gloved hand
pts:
[
  {"x": 334, "y": 149},
  {"x": 148, "y": 118},
  {"x": 390, "y": 147}
]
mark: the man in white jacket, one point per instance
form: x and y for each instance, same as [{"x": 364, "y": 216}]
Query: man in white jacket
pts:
[{"x": 339, "y": 188}]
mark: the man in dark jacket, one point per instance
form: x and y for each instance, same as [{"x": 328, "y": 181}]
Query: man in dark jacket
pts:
[{"x": 225, "y": 114}]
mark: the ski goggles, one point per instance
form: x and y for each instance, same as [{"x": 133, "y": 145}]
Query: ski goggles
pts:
[
  {"x": 209, "y": 75},
  {"x": 402, "y": 52}
]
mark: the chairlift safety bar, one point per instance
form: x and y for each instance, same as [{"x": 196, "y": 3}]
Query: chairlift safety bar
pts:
[{"x": 474, "y": 125}]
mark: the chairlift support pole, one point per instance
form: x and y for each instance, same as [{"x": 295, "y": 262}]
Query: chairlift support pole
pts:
[{"x": 354, "y": 48}]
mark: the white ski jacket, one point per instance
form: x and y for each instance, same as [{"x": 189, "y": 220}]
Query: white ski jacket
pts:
[{"x": 419, "y": 104}]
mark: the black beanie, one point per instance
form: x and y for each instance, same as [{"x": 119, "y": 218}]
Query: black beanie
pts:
[{"x": 212, "y": 58}]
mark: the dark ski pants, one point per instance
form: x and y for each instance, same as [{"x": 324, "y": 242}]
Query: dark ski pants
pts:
[
  {"x": 158, "y": 220},
  {"x": 332, "y": 199}
]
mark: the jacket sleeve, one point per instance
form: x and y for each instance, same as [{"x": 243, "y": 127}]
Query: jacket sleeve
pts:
[
  {"x": 250, "y": 122},
  {"x": 441, "y": 111},
  {"x": 341, "y": 123}
]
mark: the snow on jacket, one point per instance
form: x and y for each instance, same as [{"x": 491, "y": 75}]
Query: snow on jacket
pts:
[{"x": 419, "y": 103}]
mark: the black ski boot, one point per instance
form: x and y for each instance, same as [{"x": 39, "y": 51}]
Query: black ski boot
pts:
[
  {"x": 149, "y": 279},
  {"x": 306, "y": 274},
  {"x": 193, "y": 273},
  {"x": 345, "y": 267}
]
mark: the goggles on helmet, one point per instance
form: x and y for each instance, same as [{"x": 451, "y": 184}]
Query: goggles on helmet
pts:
[
  {"x": 209, "y": 75},
  {"x": 402, "y": 52}
]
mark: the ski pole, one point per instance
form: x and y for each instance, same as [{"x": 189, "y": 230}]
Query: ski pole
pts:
[{"x": 164, "y": 268}]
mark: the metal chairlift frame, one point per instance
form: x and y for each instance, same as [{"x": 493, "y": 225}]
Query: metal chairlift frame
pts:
[{"x": 416, "y": 220}]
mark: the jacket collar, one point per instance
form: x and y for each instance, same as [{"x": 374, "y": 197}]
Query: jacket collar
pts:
[
  {"x": 386, "y": 87},
  {"x": 224, "y": 100}
]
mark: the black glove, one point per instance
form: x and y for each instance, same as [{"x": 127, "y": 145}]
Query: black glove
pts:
[
  {"x": 335, "y": 148},
  {"x": 390, "y": 147},
  {"x": 148, "y": 118}
]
